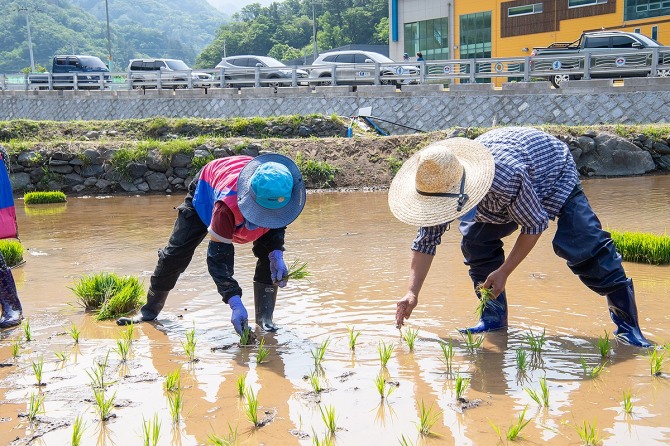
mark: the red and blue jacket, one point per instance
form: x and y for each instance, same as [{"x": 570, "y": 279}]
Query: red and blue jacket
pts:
[{"x": 8, "y": 228}]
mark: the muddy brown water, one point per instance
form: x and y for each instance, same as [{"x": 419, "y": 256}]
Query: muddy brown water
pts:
[{"x": 358, "y": 256}]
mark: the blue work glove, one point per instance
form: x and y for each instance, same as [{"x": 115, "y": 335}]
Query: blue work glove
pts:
[
  {"x": 239, "y": 318},
  {"x": 278, "y": 269}
]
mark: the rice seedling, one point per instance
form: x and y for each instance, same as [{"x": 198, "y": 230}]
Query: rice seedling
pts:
[
  {"x": 642, "y": 247},
  {"x": 472, "y": 342},
  {"x": 328, "y": 417},
  {"x": 189, "y": 344},
  {"x": 447, "y": 353},
  {"x": 327, "y": 440},
  {"x": 37, "y": 369},
  {"x": 410, "y": 337},
  {"x": 405, "y": 441},
  {"x": 353, "y": 337},
  {"x": 245, "y": 337},
  {"x": 385, "y": 352},
  {"x": 128, "y": 332},
  {"x": 74, "y": 333},
  {"x": 542, "y": 397},
  {"x": 462, "y": 385},
  {"x": 16, "y": 349},
  {"x": 604, "y": 345},
  {"x": 229, "y": 440},
  {"x": 263, "y": 352},
  {"x": 12, "y": 252},
  {"x": 123, "y": 348},
  {"x": 175, "y": 404},
  {"x": 427, "y": 418},
  {"x": 535, "y": 343},
  {"x": 103, "y": 406},
  {"x": 315, "y": 382},
  {"x": 97, "y": 374},
  {"x": 589, "y": 434},
  {"x": 151, "y": 431},
  {"x": 109, "y": 295},
  {"x": 384, "y": 390},
  {"x": 241, "y": 385},
  {"x": 521, "y": 359},
  {"x": 515, "y": 429},
  {"x": 251, "y": 406},
  {"x": 44, "y": 197},
  {"x": 656, "y": 362},
  {"x": 297, "y": 270},
  {"x": 319, "y": 352},
  {"x": 27, "y": 333},
  {"x": 173, "y": 381},
  {"x": 627, "y": 402},
  {"x": 78, "y": 428},
  {"x": 35, "y": 406},
  {"x": 485, "y": 295}
]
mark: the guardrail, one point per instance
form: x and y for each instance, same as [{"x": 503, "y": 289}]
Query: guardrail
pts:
[{"x": 586, "y": 65}]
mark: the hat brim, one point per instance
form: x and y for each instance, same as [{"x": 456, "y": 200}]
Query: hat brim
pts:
[
  {"x": 259, "y": 215},
  {"x": 408, "y": 206}
]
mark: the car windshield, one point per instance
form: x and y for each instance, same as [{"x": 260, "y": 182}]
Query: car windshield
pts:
[
  {"x": 92, "y": 62},
  {"x": 177, "y": 65},
  {"x": 646, "y": 40}
]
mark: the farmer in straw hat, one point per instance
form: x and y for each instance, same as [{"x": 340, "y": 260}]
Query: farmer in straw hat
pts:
[
  {"x": 238, "y": 199},
  {"x": 506, "y": 179}
]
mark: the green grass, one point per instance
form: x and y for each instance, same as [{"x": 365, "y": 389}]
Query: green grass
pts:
[
  {"x": 151, "y": 431},
  {"x": 241, "y": 385},
  {"x": 109, "y": 295},
  {"x": 514, "y": 431},
  {"x": 74, "y": 333},
  {"x": 12, "y": 252},
  {"x": 189, "y": 344},
  {"x": 103, "y": 406},
  {"x": 263, "y": 352},
  {"x": 604, "y": 345},
  {"x": 381, "y": 386},
  {"x": 319, "y": 352},
  {"x": 37, "y": 369},
  {"x": 521, "y": 359},
  {"x": 27, "y": 332},
  {"x": 78, "y": 428},
  {"x": 35, "y": 406},
  {"x": 542, "y": 397},
  {"x": 175, "y": 404},
  {"x": 353, "y": 337},
  {"x": 627, "y": 402},
  {"x": 44, "y": 197},
  {"x": 462, "y": 385},
  {"x": 656, "y": 362},
  {"x": 123, "y": 349},
  {"x": 173, "y": 380},
  {"x": 642, "y": 247},
  {"x": 251, "y": 406},
  {"x": 329, "y": 418},
  {"x": 385, "y": 351},
  {"x": 472, "y": 342},
  {"x": 315, "y": 382},
  {"x": 410, "y": 336},
  {"x": 16, "y": 349},
  {"x": 228, "y": 440},
  {"x": 589, "y": 434},
  {"x": 536, "y": 342},
  {"x": 427, "y": 419},
  {"x": 318, "y": 173},
  {"x": 447, "y": 353}
]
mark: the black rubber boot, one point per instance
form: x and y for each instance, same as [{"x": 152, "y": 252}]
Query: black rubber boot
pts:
[
  {"x": 12, "y": 313},
  {"x": 494, "y": 316},
  {"x": 623, "y": 312},
  {"x": 265, "y": 298},
  {"x": 149, "y": 311}
]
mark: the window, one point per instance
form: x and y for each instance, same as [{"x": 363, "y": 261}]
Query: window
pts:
[
  {"x": 580, "y": 3},
  {"x": 475, "y": 36},
  {"x": 636, "y": 30},
  {"x": 330, "y": 58},
  {"x": 597, "y": 42},
  {"x": 431, "y": 37},
  {"x": 361, "y": 58},
  {"x": 654, "y": 32},
  {"x": 622, "y": 42},
  {"x": 345, "y": 58},
  {"x": 536, "y": 8},
  {"x": 642, "y": 9}
]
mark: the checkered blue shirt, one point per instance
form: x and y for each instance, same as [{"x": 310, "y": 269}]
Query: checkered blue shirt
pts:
[{"x": 535, "y": 173}]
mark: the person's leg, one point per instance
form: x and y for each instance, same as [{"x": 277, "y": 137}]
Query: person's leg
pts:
[
  {"x": 482, "y": 248},
  {"x": 12, "y": 312},
  {"x": 590, "y": 253},
  {"x": 265, "y": 292},
  {"x": 187, "y": 234}
]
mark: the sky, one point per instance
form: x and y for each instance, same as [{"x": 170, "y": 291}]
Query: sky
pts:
[{"x": 232, "y": 6}]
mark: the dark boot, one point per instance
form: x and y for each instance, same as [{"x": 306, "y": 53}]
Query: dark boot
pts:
[
  {"x": 623, "y": 312},
  {"x": 149, "y": 311},
  {"x": 265, "y": 297},
  {"x": 494, "y": 316},
  {"x": 12, "y": 313}
]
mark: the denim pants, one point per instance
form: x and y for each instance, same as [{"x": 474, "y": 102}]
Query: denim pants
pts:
[{"x": 587, "y": 249}]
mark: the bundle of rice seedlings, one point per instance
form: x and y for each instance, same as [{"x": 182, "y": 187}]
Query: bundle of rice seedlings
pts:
[
  {"x": 12, "y": 252},
  {"x": 109, "y": 295},
  {"x": 44, "y": 197},
  {"x": 643, "y": 247}
]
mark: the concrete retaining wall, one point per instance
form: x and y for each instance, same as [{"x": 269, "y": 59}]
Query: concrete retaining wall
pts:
[{"x": 425, "y": 107}]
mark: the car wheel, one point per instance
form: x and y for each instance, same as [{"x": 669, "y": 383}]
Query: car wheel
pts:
[
  {"x": 663, "y": 73},
  {"x": 325, "y": 81},
  {"x": 138, "y": 86},
  {"x": 558, "y": 79}
]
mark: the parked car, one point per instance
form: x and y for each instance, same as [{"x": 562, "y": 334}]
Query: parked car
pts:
[
  {"x": 173, "y": 73},
  {"x": 91, "y": 74},
  {"x": 358, "y": 67},
  {"x": 612, "y": 55},
  {"x": 241, "y": 71}
]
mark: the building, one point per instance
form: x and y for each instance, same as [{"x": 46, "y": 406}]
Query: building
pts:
[{"x": 463, "y": 29}]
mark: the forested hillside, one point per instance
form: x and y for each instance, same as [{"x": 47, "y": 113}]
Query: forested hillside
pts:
[
  {"x": 284, "y": 29},
  {"x": 139, "y": 28}
]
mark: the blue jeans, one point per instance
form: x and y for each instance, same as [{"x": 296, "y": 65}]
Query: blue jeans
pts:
[{"x": 580, "y": 239}]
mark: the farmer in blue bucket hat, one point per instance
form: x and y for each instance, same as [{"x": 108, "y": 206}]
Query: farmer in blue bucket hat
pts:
[
  {"x": 506, "y": 179},
  {"x": 238, "y": 199}
]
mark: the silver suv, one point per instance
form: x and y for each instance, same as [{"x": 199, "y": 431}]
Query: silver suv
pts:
[
  {"x": 171, "y": 73},
  {"x": 241, "y": 71},
  {"x": 358, "y": 67}
]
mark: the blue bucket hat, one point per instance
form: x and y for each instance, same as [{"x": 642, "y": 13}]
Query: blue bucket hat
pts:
[{"x": 270, "y": 191}]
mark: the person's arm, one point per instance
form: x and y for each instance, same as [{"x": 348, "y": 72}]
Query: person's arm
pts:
[
  {"x": 522, "y": 247},
  {"x": 419, "y": 268}
]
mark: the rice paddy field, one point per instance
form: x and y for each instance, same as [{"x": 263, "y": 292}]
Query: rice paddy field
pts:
[{"x": 338, "y": 371}]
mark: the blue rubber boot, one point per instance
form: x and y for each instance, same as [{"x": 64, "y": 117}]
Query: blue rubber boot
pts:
[
  {"x": 494, "y": 316},
  {"x": 623, "y": 312}
]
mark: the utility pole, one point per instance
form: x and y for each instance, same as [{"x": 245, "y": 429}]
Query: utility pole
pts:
[
  {"x": 109, "y": 40},
  {"x": 316, "y": 51},
  {"x": 30, "y": 39}
]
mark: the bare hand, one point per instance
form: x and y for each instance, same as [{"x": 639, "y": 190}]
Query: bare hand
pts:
[
  {"x": 496, "y": 281},
  {"x": 404, "y": 309}
]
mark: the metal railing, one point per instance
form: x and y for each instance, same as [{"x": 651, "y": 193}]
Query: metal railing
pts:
[{"x": 586, "y": 65}]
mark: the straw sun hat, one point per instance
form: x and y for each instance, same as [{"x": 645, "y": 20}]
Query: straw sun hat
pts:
[{"x": 441, "y": 182}]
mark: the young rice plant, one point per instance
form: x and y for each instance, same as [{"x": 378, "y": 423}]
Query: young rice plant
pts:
[
  {"x": 109, "y": 295},
  {"x": 44, "y": 197},
  {"x": 385, "y": 351}
]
